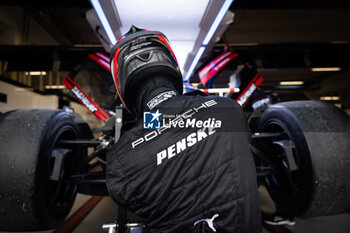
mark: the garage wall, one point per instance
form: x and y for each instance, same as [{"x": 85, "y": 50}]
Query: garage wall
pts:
[
  {"x": 18, "y": 97},
  {"x": 348, "y": 111},
  {"x": 13, "y": 97},
  {"x": 86, "y": 115}
]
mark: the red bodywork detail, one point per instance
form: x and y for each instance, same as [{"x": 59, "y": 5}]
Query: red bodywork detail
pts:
[
  {"x": 210, "y": 70},
  {"x": 259, "y": 81},
  {"x": 78, "y": 216},
  {"x": 84, "y": 99},
  {"x": 167, "y": 44},
  {"x": 103, "y": 56},
  {"x": 249, "y": 90},
  {"x": 101, "y": 61}
]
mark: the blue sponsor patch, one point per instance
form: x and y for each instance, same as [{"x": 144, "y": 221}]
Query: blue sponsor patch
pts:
[{"x": 151, "y": 120}]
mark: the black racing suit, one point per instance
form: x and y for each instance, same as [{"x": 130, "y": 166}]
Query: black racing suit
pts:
[{"x": 179, "y": 176}]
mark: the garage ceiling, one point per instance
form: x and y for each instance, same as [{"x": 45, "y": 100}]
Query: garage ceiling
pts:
[{"x": 283, "y": 39}]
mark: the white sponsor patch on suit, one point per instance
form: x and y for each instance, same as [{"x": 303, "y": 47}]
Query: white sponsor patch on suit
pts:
[
  {"x": 183, "y": 144},
  {"x": 160, "y": 98}
]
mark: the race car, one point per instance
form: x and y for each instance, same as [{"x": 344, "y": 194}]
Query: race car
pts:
[{"x": 301, "y": 151}]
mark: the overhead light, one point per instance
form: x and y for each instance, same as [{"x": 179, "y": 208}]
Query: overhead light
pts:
[
  {"x": 325, "y": 69},
  {"x": 195, "y": 84},
  {"x": 208, "y": 37},
  {"x": 35, "y": 73},
  {"x": 244, "y": 44},
  {"x": 217, "y": 21},
  {"x": 101, "y": 15},
  {"x": 55, "y": 87},
  {"x": 329, "y": 98},
  {"x": 180, "y": 21},
  {"x": 88, "y": 45},
  {"x": 340, "y": 42},
  {"x": 21, "y": 89},
  {"x": 289, "y": 87},
  {"x": 288, "y": 83},
  {"x": 237, "y": 44},
  {"x": 267, "y": 69},
  {"x": 194, "y": 63}
]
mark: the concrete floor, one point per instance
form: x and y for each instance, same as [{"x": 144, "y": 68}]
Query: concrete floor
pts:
[
  {"x": 329, "y": 224},
  {"x": 106, "y": 211}
]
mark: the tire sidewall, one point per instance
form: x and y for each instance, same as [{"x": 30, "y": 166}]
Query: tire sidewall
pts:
[
  {"x": 51, "y": 214},
  {"x": 284, "y": 118}
]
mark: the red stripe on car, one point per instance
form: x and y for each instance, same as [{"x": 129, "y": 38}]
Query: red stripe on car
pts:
[
  {"x": 70, "y": 84},
  {"x": 100, "y": 61},
  {"x": 210, "y": 70}
]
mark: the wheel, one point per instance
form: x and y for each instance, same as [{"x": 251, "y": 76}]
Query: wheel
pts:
[
  {"x": 311, "y": 159},
  {"x": 33, "y": 195}
]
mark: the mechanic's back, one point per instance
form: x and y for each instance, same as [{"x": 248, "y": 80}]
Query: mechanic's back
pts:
[{"x": 196, "y": 168}]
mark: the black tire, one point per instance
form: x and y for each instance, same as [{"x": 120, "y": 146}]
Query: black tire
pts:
[
  {"x": 28, "y": 199},
  {"x": 321, "y": 135}
]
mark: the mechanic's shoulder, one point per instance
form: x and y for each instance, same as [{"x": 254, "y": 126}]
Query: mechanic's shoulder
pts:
[{"x": 128, "y": 134}]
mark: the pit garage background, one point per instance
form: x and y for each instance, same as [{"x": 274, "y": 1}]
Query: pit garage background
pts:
[{"x": 301, "y": 48}]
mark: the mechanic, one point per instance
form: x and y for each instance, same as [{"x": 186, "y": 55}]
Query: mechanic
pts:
[{"x": 179, "y": 179}]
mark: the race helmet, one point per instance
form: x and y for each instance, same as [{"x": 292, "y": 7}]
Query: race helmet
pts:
[{"x": 141, "y": 54}]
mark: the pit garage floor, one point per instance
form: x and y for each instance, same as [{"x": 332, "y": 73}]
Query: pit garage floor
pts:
[{"x": 89, "y": 213}]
